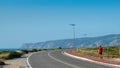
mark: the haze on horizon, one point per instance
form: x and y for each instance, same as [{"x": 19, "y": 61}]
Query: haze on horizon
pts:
[{"x": 29, "y": 21}]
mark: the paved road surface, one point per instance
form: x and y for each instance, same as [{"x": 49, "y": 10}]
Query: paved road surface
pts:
[{"x": 56, "y": 59}]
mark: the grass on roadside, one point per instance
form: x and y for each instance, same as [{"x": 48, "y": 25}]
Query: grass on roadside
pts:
[
  {"x": 108, "y": 51},
  {"x": 2, "y": 62},
  {"x": 9, "y": 55}
]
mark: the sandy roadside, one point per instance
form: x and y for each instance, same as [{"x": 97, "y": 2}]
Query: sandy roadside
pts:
[{"x": 17, "y": 63}]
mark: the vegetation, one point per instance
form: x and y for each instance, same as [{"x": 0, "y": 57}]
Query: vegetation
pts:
[
  {"x": 9, "y": 55},
  {"x": 4, "y": 55},
  {"x": 33, "y": 50},
  {"x": 15, "y": 54},
  {"x": 108, "y": 51},
  {"x": 59, "y": 47},
  {"x": 1, "y": 62},
  {"x": 43, "y": 49}
]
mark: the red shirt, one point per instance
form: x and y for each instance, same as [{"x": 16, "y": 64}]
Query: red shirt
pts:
[{"x": 100, "y": 49}]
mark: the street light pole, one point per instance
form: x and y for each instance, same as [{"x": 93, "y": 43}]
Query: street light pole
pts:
[{"x": 73, "y": 25}]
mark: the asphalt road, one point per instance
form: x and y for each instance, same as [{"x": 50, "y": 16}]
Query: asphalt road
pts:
[{"x": 56, "y": 59}]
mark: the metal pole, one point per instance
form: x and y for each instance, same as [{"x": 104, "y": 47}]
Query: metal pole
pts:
[{"x": 73, "y": 33}]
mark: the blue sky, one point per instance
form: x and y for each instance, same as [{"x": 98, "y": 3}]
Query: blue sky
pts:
[{"x": 29, "y": 21}]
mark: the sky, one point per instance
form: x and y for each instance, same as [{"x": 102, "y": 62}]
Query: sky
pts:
[{"x": 31, "y": 21}]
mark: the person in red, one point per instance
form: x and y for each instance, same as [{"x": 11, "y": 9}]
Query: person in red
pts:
[{"x": 100, "y": 51}]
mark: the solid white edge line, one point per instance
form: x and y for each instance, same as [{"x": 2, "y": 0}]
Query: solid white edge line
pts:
[
  {"x": 29, "y": 66},
  {"x": 90, "y": 60},
  {"x": 71, "y": 65}
]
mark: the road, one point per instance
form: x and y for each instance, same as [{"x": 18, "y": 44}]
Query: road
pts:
[{"x": 56, "y": 59}]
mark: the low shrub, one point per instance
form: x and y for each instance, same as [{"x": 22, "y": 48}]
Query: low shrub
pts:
[
  {"x": 2, "y": 63},
  {"x": 14, "y": 55},
  {"x": 32, "y": 50},
  {"x": 22, "y": 51},
  {"x": 10, "y": 55}
]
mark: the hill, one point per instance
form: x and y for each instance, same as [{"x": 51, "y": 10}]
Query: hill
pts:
[{"x": 113, "y": 39}]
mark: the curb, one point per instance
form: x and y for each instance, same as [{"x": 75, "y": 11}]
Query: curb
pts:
[{"x": 82, "y": 58}]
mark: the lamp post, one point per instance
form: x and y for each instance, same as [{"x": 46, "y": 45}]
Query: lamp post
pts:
[{"x": 73, "y": 25}]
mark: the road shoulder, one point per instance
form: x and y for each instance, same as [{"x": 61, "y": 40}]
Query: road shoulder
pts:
[{"x": 94, "y": 60}]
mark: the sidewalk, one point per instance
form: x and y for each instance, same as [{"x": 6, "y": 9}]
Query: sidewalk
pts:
[{"x": 96, "y": 59}]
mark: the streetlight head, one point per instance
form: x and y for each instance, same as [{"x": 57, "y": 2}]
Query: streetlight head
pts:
[{"x": 72, "y": 24}]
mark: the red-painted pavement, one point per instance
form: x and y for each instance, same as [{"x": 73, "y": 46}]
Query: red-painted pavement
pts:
[{"x": 94, "y": 58}]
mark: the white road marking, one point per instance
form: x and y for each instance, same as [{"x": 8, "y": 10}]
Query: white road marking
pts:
[
  {"x": 28, "y": 61},
  {"x": 29, "y": 66},
  {"x": 71, "y": 65},
  {"x": 85, "y": 59}
]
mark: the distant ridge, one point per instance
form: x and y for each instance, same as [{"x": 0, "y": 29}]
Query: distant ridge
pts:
[{"x": 112, "y": 39}]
